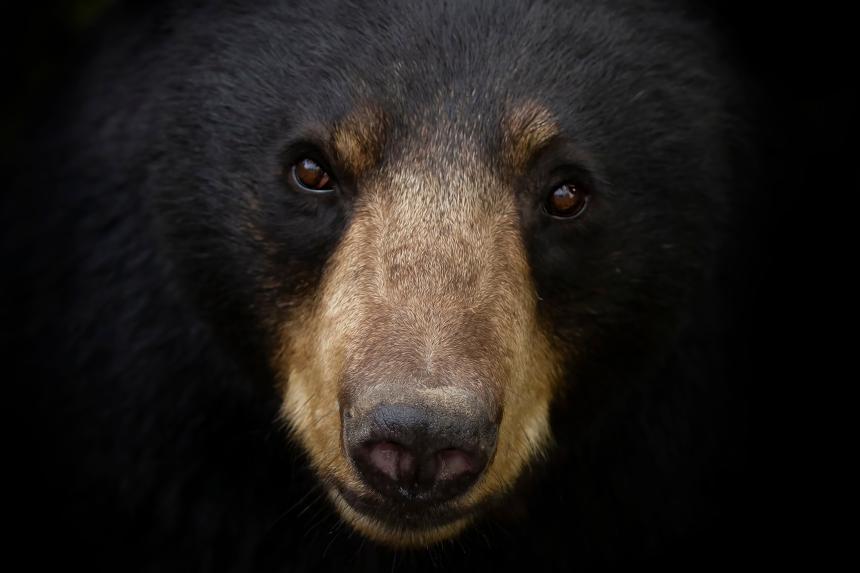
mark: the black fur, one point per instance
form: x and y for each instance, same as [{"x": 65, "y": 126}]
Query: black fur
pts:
[{"x": 143, "y": 297}]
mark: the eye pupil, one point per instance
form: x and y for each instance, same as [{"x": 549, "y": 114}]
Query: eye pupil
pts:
[
  {"x": 310, "y": 175},
  {"x": 566, "y": 201}
]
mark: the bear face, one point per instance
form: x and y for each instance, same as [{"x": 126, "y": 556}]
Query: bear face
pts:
[
  {"x": 423, "y": 226},
  {"x": 426, "y": 303},
  {"x": 431, "y": 266},
  {"x": 462, "y": 217}
]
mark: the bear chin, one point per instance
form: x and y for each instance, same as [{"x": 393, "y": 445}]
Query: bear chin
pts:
[{"x": 409, "y": 531}]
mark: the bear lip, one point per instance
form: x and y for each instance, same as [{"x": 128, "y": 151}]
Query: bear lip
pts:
[{"x": 417, "y": 515}]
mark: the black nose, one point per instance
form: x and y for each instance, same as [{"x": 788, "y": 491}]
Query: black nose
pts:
[{"x": 410, "y": 453}]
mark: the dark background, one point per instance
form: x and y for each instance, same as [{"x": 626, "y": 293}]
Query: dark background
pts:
[{"x": 797, "y": 67}]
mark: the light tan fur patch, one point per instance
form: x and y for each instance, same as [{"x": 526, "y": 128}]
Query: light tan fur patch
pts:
[
  {"x": 359, "y": 138},
  {"x": 527, "y": 128}
]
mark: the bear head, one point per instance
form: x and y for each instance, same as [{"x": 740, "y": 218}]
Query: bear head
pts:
[{"x": 433, "y": 224}]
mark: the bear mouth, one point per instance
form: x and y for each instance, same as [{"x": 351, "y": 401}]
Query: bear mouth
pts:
[{"x": 415, "y": 516}]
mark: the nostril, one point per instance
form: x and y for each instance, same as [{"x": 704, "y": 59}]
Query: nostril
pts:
[
  {"x": 393, "y": 461},
  {"x": 397, "y": 471},
  {"x": 454, "y": 464}
]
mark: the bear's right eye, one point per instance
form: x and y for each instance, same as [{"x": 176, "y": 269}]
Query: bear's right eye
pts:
[
  {"x": 309, "y": 176},
  {"x": 566, "y": 201}
]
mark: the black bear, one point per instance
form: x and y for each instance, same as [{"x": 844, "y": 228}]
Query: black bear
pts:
[{"x": 325, "y": 285}]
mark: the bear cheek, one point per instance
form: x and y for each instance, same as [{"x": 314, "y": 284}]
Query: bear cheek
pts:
[{"x": 309, "y": 365}]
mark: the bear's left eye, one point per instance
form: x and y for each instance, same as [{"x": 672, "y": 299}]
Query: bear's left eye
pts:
[{"x": 308, "y": 175}]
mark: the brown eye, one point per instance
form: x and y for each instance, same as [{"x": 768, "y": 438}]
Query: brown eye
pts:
[
  {"x": 566, "y": 201},
  {"x": 309, "y": 176}
]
